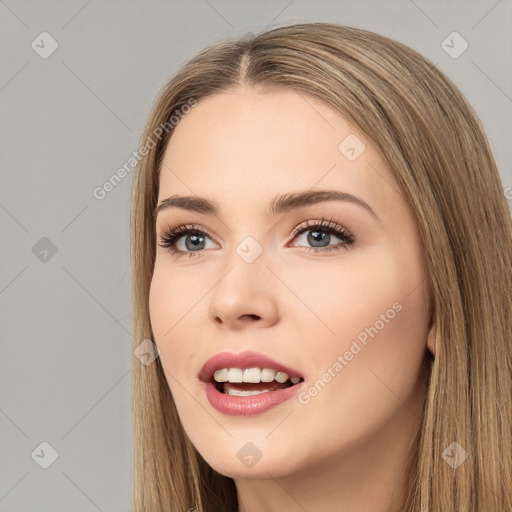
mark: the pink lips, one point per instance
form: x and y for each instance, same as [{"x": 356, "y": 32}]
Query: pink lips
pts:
[{"x": 245, "y": 405}]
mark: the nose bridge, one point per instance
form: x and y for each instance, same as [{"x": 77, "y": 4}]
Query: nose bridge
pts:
[
  {"x": 248, "y": 247},
  {"x": 245, "y": 289},
  {"x": 245, "y": 268}
]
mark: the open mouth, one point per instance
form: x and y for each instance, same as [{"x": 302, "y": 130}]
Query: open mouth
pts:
[{"x": 248, "y": 383}]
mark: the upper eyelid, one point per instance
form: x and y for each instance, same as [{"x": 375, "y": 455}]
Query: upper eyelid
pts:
[
  {"x": 322, "y": 224},
  {"x": 325, "y": 224}
]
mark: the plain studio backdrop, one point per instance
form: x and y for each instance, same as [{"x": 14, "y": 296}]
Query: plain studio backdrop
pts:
[{"x": 77, "y": 80}]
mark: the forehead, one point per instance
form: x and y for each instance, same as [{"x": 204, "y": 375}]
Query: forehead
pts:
[{"x": 246, "y": 146}]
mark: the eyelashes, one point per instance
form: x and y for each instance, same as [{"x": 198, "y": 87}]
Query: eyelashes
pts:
[{"x": 196, "y": 235}]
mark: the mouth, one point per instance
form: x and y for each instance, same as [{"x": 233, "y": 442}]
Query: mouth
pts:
[
  {"x": 248, "y": 383},
  {"x": 252, "y": 381}
]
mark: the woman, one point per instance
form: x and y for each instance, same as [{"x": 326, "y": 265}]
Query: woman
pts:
[{"x": 322, "y": 255}]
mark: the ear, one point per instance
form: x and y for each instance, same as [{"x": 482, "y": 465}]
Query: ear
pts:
[{"x": 432, "y": 339}]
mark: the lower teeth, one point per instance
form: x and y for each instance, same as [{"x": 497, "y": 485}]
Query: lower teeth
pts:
[{"x": 235, "y": 392}]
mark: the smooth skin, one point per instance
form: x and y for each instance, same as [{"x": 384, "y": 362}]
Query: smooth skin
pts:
[{"x": 346, "y": 449}]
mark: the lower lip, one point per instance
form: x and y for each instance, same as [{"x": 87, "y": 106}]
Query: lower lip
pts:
[{"x": 248, "y": 405}]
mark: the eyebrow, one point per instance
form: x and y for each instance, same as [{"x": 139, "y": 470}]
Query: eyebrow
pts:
[{"x": 282, "y": 203}]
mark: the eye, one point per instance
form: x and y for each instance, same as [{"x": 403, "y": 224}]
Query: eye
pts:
[
  {"x": 322, "y": 232},
  {"x": 194, "y": 240}
]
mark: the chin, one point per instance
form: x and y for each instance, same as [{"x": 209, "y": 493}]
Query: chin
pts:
[{"x": 239, "y": 458}]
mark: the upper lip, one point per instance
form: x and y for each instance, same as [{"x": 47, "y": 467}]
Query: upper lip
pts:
[{"x": 243, "y": 360}]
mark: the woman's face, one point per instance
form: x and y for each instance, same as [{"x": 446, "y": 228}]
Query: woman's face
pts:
[{"x": 346, "y": 310}]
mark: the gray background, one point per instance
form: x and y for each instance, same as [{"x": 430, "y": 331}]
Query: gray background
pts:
[{"x": 68, "y": 122}]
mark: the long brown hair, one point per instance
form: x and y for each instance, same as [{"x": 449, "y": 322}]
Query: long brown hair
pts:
[{"x": 433, "y": 141}]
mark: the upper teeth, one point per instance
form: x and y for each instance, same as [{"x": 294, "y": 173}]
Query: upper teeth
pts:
[{"x": 253, "y": 375}]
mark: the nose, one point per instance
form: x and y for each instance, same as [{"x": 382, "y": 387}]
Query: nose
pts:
[{"x": 244, "y": 296}]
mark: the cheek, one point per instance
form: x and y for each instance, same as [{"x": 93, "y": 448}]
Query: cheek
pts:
[
  {"x": 342, "y": 299},
  {"x": 378, "y": 313},
  {"x": 375, "y": 301},
  {"x": 171, "y": 311},
  {"x": 171, "y": 299}
]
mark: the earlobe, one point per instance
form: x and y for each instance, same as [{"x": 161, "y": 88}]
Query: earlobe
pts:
[{"x": 432, "y": 339}]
